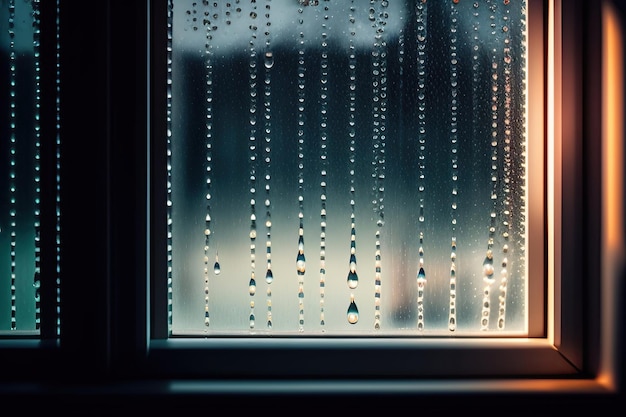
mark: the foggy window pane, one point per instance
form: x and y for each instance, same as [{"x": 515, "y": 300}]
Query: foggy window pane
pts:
[{"x": 347, "y": 167}]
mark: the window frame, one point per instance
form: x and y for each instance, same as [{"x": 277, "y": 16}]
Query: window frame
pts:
[{"x": 558, "y": 348}]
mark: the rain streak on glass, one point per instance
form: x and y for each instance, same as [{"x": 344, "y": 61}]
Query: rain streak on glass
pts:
[
  {"x": 488, "y": 268},
  {"x": 421, "y": 20},
  {"x": 170, "y": 13},
  {"x": 507, "y": 206},
  {"x": 209, "y": 157},
  {"x": 378, "y": 19},
  {"x": 300, "y": 258},
  {"x": 353, "y": 279},
  {"x": 58, "y": 172},
  {"x": 518, "y": 208},
  {"x": 12, "y": 161},
  {"x": 454, "y": 161},
  {"x": 267, "y": 100},
  {"x": 323, "y": 100},
  {"x": 37, "y": 166},
  {"x": 252, "y": 147}
]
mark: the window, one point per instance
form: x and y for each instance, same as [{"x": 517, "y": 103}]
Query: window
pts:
[
  {"x": 114, "y": 306},
  {"x": 304, "y": 136},
  {"x": 25, "y": 160},
  {"x": 552, "y": 314},
  {"x": 30, "y": 172}
]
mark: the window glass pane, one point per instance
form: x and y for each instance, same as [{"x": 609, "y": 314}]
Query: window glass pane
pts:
[
  {"x": 347, "y": 168},
  {"x": 20, "y": 163}
]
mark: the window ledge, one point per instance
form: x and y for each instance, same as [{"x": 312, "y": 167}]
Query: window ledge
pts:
[{"x": 347, "y": 358}]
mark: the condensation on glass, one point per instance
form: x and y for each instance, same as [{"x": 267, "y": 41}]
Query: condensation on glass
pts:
[
  {"x": 347, "y": 167},
  {"x": 20, "y": 160}
]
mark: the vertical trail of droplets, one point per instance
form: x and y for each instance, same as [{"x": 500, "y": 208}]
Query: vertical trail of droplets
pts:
[
  {"x": 507, "y": 209},
  {"x": 37, "y": 126},
  {"x": 228, "y": 13},
  {"x": 170, "y": 16},
  {"x": 217, "y": 268},
  {"x": 58, "y": 172},
  {"x": 454, "y": 160},
  {"x": 12, "y": 167},
  {"x": 353, "y": 278},
  {"x": 252, "y": 148},
  {"x": 300, "y": 258},
  {"x": 375, "y": 73},
  {"x": 379, "y": 109},
  {"x": 422, "y": 19},
  {"x": 323, "y": 148},
  {"x": 477, "y": 71},
  {"x": 488, "y": 268},
  {"x": 267, "y": 100},
  {"x": 209, "y": 159},
  {"x": 520, "y": 136}
]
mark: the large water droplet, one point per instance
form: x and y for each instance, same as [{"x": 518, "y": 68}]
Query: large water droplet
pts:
[
  {"x": 353, "y": 312},
  {"x": 269, "y": 60},
  {"x": 252, "y": 286}
]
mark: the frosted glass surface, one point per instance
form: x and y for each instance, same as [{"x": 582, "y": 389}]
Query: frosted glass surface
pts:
[
  {"x": 19, "y": 167},
  {"x": 383, "y": 142}
]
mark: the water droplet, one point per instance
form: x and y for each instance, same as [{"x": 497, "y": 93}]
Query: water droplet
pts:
[
  {"x": 269, "y": 60},
  {"x": 488, "y": 269},
  {"x": 421, "y": 275},
  {"x": 216, "y": 268},
  {"x": 252, "y": 286},
  {"x": 353, "y": 280},
  {"x": 352, "y": 262},
  {"x": 300, "y": 263},
  {"x": 353, "y": 312},
  {"x": 269, "y": 276}
]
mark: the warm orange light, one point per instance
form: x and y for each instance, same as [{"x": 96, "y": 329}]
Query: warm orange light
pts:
[
  {"x": 553, "y": 167},
  {"x": 612, "y": 180},
  {"x": 613, "y": 127}
]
